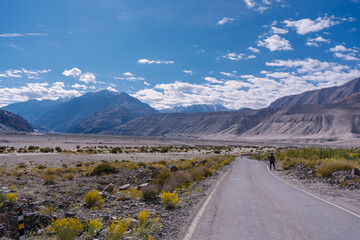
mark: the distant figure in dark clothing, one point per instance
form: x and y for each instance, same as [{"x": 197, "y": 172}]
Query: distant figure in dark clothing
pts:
[{"x": 272, "y": 160}]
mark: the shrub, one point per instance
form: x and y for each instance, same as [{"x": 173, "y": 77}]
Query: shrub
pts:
[
  {"x": 150, "y": 192},
  {"x": 58, "y": 149},
  {"x": 69, "y": 176},
  {"x": 329, "y": 167},
  {"x": 49, "y": 178},
  {"x": 41, "y": 167},
  {"x": 46, "y": 150},
  {"x": 116, "y": 229},
  {"x": 93, "y": 227},
  {"x": 93, "y": 199},
  {"x": 67, "y": 228},
  {"x": 21, "y": 165},
  {"x": 169, "y": 199},
  {"x": 148, "y": 226},
  {"x": 103, "y": 168},
  {"x": 47, "y": 210}
]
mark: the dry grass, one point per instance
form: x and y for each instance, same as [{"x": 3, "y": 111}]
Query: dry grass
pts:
[{"x": 329, "y": 167}]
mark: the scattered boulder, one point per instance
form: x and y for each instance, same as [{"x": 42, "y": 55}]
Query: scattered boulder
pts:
[
  {"x": 355, "y": 172},
  {"x": 124, "y": 187},
  {"x": 340, "y": 174},
  {"x": 141, "y": 186},
  {"x": 133, "y": 223},
  {"x": 69, "y": 214},
  {"x": 109, "y": 188},
  {"x": 174, "y": 169}
]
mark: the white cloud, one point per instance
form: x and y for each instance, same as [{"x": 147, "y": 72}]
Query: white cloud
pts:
[
  {"x": 18, "y": 73},
  {"x": 254, "y": 50},
  {"x": 79, "y": 86},
  {"x": 12, "y": 35},
  {"x": 128, "y": 74},
  {"x": 37, "y": 91},
  {"x": 314, "y": 42},
  {"x": 83, "y": 77},
  {"x": 279, "y": 30},
  {"x": 111, "y": 89},
  {"x": 341, "y": 48},
  {"x": 190, "y": 72},
  {"x": 250, "y": 3},
  {"x": 225, "y": 20},
  {"x": 130, "y": 77},
  {"x": 237, "y": 56},
  {"x": 146, "y": 83},
  {"x": 87, "y": 77},
  {"x": 275, "y": 43},
  {"x": 348, "y": 56},
  {"x": 232, "y": 74},
  {"x": 75, "y": 73},
  {"x": 212, "y": 80},
  {"x": 295, "y": 76},
  {"x": 147, "y": 61},
  {"x": 306, "y": 25}
]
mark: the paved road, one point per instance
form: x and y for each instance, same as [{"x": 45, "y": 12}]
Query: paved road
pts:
[{"x": 250, "y": 203}]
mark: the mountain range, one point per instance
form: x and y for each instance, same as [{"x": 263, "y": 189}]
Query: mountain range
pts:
[
  {"x": 10, "y": 122},
  {"x": 329, "y": 113},
  {"x": 196, "y": 108}
]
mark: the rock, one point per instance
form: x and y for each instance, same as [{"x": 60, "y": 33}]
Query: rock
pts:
[
  {"x": 133, "y": 223},
  {"x": 124, "y": 187},
  {"x": 109, "y": 188},
  {"x": 340, "y": 174},
  {"x": 141, "y": 186},
  {"x": 174, "y": 169},
  {"x": 355, "y": 172},
  {"x": 69, "y": 214}
]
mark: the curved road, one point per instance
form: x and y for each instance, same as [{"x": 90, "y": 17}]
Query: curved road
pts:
[{"x": 250, "y": 203}]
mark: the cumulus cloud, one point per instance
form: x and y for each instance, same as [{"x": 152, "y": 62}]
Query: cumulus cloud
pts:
[
  {"x": 261, "y": 5},
  {"x": 349, "y": 54},
  {"x": 232, "y": 74},
  {"x": 76, "y": 85},
  {"x": 18, "y": 73},
  {"x": 314, "y": 42},
  {"x": 307, "y": 25},
  {"x": 147, "y": 61},
  {"x": 37, "y": 91},
  {"x": 212, "y": 80},
  {"x": 279, "y": 30},
  {"x": 254, "y": 50},
  {"x": 291, "y": 76},
  {"x": 190, "y": 72},
  {"x": 130, "y": 77},
  {"x": 76, "y": 73},
  {"x": 225, "y": 20},
  {"x": 250, "y": 3},
  {"x": 237, "y": 56},
  {"x": 275, "y": 43}
]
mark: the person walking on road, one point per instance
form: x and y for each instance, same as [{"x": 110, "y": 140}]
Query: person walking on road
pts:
[{"x": 272, "y": 160}]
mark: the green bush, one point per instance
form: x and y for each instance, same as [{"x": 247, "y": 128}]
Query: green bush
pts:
[
  {"x": 169, "y": 199},
  {"x": 103, "y": 168},
  {"x": 329, "y": 167}
]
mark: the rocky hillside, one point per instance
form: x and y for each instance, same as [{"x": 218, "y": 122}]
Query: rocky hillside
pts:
[
  {"x": 197, "y": 108},
  {"x": 203, "y": 125},
  {"x": 33, "y": 109},
  {"x": 339, "y": 94},
  {"x": 65, "y": 116},
  {"x": 108, "y": 118},
  {"x": 331, "y": 121},
  {"x": 12, "y": 123}
]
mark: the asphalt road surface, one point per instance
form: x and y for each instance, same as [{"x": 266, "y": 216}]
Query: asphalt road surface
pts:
[{"x": 250, "y": 203}]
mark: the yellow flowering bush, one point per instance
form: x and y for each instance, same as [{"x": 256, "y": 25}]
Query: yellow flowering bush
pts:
[
  {"x": 117, "y": 229},
  {"x": 169, "y": 199},
  {"x": 93, "y": 227},
  {"x": 67, "y": 228},
  {"x": 148, "y": 226},
  {"x": 93, "y": 199},
  {"x": 12, "y": 198}
]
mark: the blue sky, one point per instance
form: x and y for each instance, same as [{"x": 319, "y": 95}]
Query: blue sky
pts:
[{"x": 243, "y": 53}]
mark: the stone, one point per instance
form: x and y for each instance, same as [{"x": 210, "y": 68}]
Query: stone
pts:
[
  {"x": 340, "y": 174},
  {"x": 109, "y": 188},
  {"x": 174, "y": 169},
  {"x": 141, "y": 186},
  {"x": 355, "y": 172},
  {"x": 124, "y": 187},
  {"x": 69, "y": 214},
  {"x": 133, "y": 223}
]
